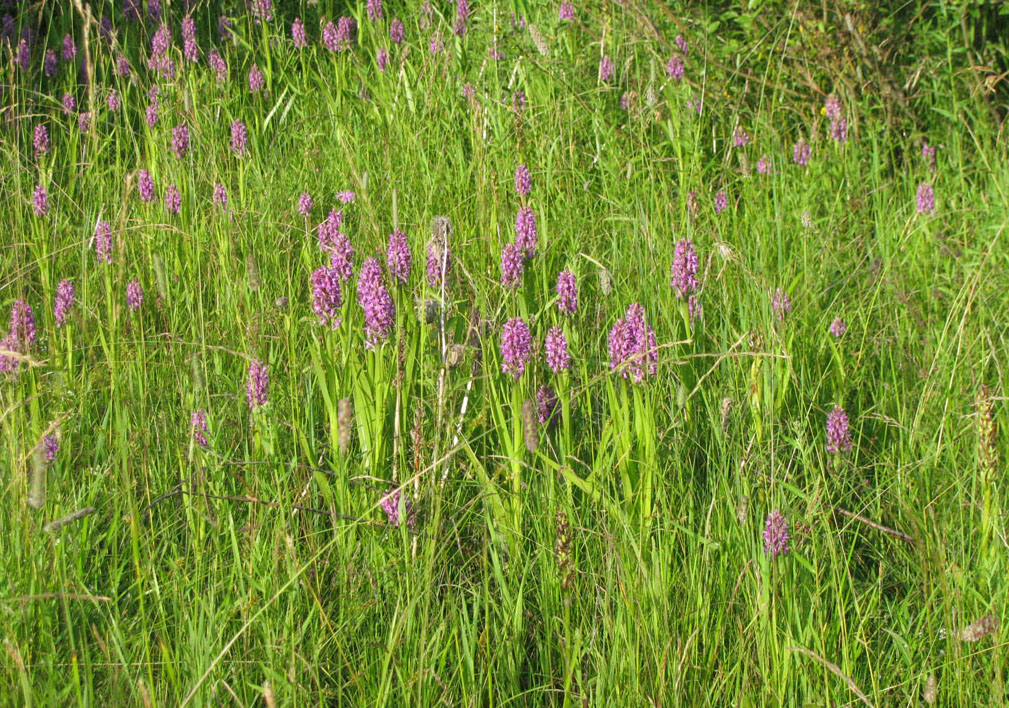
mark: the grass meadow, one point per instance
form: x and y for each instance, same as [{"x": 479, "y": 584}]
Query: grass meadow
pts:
[{"x": 254, "y": 452}]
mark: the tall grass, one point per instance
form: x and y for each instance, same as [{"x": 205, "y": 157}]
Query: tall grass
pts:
[{"x": 263, "y": 569}]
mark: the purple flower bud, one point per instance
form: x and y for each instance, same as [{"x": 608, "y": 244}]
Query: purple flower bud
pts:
[
  {"x": 839, "y": 130},
  {"x": 397, "y": 257},
  {"x": 51, "y": 446},
  {"x": 512, "y": 266},
  {"x": 341, "y": 256},
  {"x": 134, "y": 295},
  {"x": 220, "y": 196},
  {"x": 526, "y": 234},
  {"x": 838, "y": 328},
  {"x": 684, "y": 269},
  {"x": 556, "y": 345},
  {"x": 298, "y": 35},
  {"x": 345, "y": 196},
  {"x": 330, "y": 37},
  {"x": 606, "y": 69},
  {"x": 632, "y": 345},
  {"x": 84, "y": 121},
  {"x": 145, "y": 186},
  {"x": 23, "y": 56},
  {"x": 344, "y": 32},
  {"x": 523, "y": 181},
  {"x": 161, "y": 41},
  {"x": 374, "y": 299},
  {"x": 198, "y": 426},
  {"x": 396, "y": 32},
  {"x": 781, "y": 304},
  {"x": 801, "y": 152},
  {"x": 566, "y": 13},
  {"x": 189, "y": 49},
  {"x": 546, "y": 405},
  {"x": 152, "y": 115},
  {"x": 374, "y": 10},
  {"x": 224, "y": 27},
  {"x": 382, "y": 58},
  {"x": 154, "y": 10},
  {"x": 330, "y": 229},
  {"x": 776, "y": 534},
  {"x": 180, "y": 140},
  {"x": 681, "y": 44},
  {"x": 64, "y": 301},
  {"x": 832, "y": 106},
  {"x": 674, "y": 69},
  {"x": 838, "y": 433},
  {"x": 391, "y": 504},
  {"x": 740, "y": 138},
  {"x": 926, "y": 198},
  {"x": 567, "y": 293},
  {"x": 220, "y": 67},
  {"x": 69, "y": 103},
  {"x": 516, "y": 347},
  {"x": 40, "y": 201},
  {"x": 258, "y": 386},
  {"x": 173, "y": 199},
  {"x": 122, "y": 65},
  {"x": 239, "y": 138},
  {"x": 928, "y": 153},
  {"x": 305, "y": 204},
  {"x": 103, "y": 242},
  {"x": 113, "y": 101},
  {"x": 256, "y": 80},
  {"x": 69, "y": 48},
  {"x": 763, "y": 165},
  {"x": 327, "y": 296},
  {"x": 435, "y": 271},
  {"x": 41, "y": 140},
  {"x": 721, "y": 201},
  {"x": 22, "y": 326},
  {"x": 462, "y": 13},
  {"x": 262, "y": 10},
  {"x": 50, "y": 63}
]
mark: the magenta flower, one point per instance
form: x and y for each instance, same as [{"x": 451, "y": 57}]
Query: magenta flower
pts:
[
  {"x": 113, "y": 101},
  {"x": 145, "y": 186},
  {"x": 839, "y": 130},
  {"x": 684, "y": 268},
  {"x": 801, "y": 152},
  {"x": 258, "y": 387},
  {"x": 51, "y": 446},
  {"x": 154, "y": 10},
  {"x": 256, "y": 80},
  {"x": 40, "y": 201},
  {"x": 262, "y": 10},
  {"x": 50, "y": 64},
  {"x": 341, "y": 256},
  {"x": 740, "y": 138},
  {"x": 344, "y": 32},
  {"x": 763, "y": 165},
  {"x": 546, "y": 405},
  {"x": 189, "y": 48},
  {"x": 632, "y": 345},
  {"x": 103, "y": 242},
  {"x": 721, "y": 201},
  {"x": 681, "y": 44},
  {"x": 526, "y": 234},
  {"x": 567, "y": 292},
  {"x": 69, "y": 103},
  {"x": 23, "y": 56},
  {"x": 330, "y": 37},
  {"x": 374, "y": 10},
  {"x": 134, "y": 295},
  {"x": 69, "y": 48},
  {"x": 396, "y": 31},
  {"x": 516, "y": 347},
  {"x": 391, "y": 505},
  {"x": 438, "y": 266},
  {"x": 512, "y": 266},
  {"x": 84, "y": 121},
  {"x": 832, "y": 107},
  {"x": 173, "y": 199},
  {"x": 462, "y": 13},
  {"x": 523, "y": 181},
  {"x": 374, "y": 299},
  {"x": 198, "y": 426},
  {"x": 327, "y": 296},
  {"x": 838, "y": 433},
  {"x": 122, "y": 65},
  {"x": 838, "y": 328},
  {"x": 220, "y": 67},
  {"x": 151, "y": 114},
  {"x": 180, "y": 140},
  {"x": 781, "y": 304},
  {"x": 298, "y": 35},
  {"x": 928, "y": 153},
  {"x": 22, "y": 326},
  {"x": 239, "y": 138},
  {"x": 64, "y": 301},
  {"x": 606, "y": 69},
  {"x": 776, "y": 534},
  {"x": 220, "y": 196},
  {"x": 556, "y": 346},
  {"x": 926, "y": 198},
  {"x": 397, "y": 257},
  {"x": 346, "y": 196},
  {"x": 382, "y": 58},
  {"x": 566, "y": 12},
  {"x": 305, "y": 204},
  {"x": 674, "y": 68},
  {"x": 41, "y": 140}
]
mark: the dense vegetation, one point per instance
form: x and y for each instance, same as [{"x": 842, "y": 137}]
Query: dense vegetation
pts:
[{"x": 615, "y": 353}]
